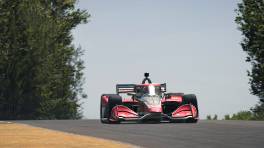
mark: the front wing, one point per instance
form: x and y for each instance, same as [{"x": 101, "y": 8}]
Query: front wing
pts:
[{"x": 182, "y": 113}]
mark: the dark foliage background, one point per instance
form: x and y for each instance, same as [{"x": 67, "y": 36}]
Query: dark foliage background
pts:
[
  {"x": 250, "y": 18},
  {"x": 40, "y": 70}
]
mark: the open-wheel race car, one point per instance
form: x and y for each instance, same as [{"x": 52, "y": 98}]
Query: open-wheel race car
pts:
[{"x": 148, "y": 102}]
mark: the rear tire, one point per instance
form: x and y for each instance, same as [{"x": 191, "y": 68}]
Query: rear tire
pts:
[{"x": 113, "y": 100}]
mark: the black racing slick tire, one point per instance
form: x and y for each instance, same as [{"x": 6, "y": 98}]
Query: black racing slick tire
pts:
[
  {"x": 191, "y": 99},
  {"x": 113, "y": 100}
]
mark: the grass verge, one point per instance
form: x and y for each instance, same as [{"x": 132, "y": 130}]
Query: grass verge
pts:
[{"x": 14, "y": 135}]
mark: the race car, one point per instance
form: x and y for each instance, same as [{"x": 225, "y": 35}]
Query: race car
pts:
[{"x": 148, "y": 102}]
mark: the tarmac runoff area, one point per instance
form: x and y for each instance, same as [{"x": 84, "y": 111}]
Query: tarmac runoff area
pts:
[
  {"x": 16, "y": 135},
  {"x": 204, "y": 134}
]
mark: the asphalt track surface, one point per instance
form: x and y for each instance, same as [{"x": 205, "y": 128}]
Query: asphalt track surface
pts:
[{"x": 204, "y": 134}]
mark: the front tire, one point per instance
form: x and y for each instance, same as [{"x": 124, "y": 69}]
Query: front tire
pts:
[
  {"x": 105, "y": 114},
  {"x": 191, "y": 99}
]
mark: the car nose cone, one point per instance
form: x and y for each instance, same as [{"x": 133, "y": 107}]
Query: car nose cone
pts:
[{"x": 155, "y": 109}]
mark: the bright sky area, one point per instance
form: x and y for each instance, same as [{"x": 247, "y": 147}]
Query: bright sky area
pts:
[{"x": 193, "y": 46}]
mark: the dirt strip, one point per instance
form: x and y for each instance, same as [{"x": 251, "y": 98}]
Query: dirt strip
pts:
[{"x": 14, "y": 135}]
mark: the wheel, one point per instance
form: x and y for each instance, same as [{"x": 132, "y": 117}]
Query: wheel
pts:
[
  {"x": 105, "y": 113},
  {"x": 191, "y": 99},
  {"x": 102, "y": 113},
  {"x": 191, "y": 120}
]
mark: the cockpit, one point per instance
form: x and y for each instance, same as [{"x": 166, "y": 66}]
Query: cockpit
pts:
[{"x": 148, "y": 89}]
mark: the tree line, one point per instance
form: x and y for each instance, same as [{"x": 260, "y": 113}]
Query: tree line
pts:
[
  {"x": 40, "y": 69},
  {"x": 241, "y": 115},
  {"x": 250, "y": 20}
]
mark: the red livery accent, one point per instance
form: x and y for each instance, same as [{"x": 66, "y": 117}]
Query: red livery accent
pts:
[
  {"x": 183, "y": 111},
  {"x": 155, "y": 109},
  {"x": 173, "y": 99},
  {"x": 104, "y": 100},
  {"x": 194, "y": 111},
  {"x": 123, "y": 111},
  {"x": 129, "y": 100},
  {"x": 183, "y": 114},
  {"x": 176, "y": 98}
]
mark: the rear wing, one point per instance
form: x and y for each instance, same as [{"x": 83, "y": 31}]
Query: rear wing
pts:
[
  {"x": 125, "y": 88},
  {"x": 130, "y": 88}
]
